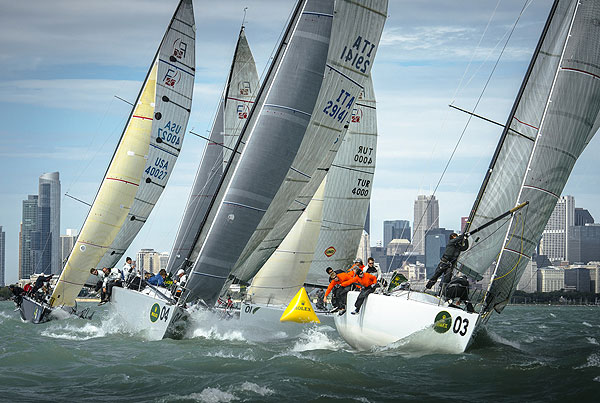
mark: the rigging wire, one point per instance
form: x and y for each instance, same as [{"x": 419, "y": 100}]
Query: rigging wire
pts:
[{"x": 525, "y": 5}]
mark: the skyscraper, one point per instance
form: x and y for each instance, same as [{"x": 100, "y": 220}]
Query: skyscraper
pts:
[
  {"x": 397, "y": 229},
  {"x": 41, "y": 244},
  {"x": 582, "y": 217},
  {"x": 28, "y": 227},
  {"x": 427, "y": 216},
  {"x": 66, "y": 245},
  {"x": 555, "y": 236},
  {"x": 51, "y": 183},
  {"x": 2, "y": 257}
]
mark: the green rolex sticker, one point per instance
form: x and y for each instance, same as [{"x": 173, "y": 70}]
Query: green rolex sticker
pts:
[
  {"x": 442, "y": 323},
  {"x": 154, "y": 312}
]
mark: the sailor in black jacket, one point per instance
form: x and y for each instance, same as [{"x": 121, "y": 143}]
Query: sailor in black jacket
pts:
[{"x": 457, "y": 244}]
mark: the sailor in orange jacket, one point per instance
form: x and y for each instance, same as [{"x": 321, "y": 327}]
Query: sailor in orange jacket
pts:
[
  {"x": 339, "y": 292},
  {"x": 366, "y": 281}
]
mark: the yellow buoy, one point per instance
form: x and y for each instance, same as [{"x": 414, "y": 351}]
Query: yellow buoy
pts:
[{"x": 300, "y": 309}]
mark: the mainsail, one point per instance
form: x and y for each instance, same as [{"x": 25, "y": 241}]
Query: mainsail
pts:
[
  {"x": 357, "y": 28},
  {"x": 271, "y": 138},
  {"x": 554, "y": 117},
  {"x": 238, "y": 96},
  {"x": 142, "y": 162}
]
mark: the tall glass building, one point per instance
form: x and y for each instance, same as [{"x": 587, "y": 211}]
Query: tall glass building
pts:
[
  {"x": 47, "y": 239},
  {"x": 28, "y": 227},
  {"x": 2, "y": 257}
]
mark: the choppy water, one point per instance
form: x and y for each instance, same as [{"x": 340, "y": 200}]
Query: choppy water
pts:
[{"x": 529, "y": 353}]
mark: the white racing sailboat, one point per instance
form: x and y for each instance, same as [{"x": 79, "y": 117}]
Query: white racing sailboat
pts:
[
  {"x": 254, "y": 169},
  {"x": 139, "y": 169},
  {"x": 329, "y": 230},
  {"x": 555, "y": 115}
]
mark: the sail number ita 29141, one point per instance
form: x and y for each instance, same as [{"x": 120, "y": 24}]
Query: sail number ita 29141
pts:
[{"x": 340, "y": 107}]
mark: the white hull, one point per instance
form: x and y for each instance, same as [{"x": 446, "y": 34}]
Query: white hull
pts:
[
  {"x": 267, "y": 316},
  {"x": 147, "y": 313},
  {"x": 407, "y": 317}
]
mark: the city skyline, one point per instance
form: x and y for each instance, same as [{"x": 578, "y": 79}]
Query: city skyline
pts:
[{"x": 62, "y": 97}]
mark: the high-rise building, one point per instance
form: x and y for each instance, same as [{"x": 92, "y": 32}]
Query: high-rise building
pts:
[
  {"x": 2, "y": 257},
  {"x": 426, "y": 217},
  {"x": 49, "y": 227},
  {"x": 164, "y": 259},
  {"x": 41, "y": 249},
  {"x": 582, "y": 217},
  {"x": 554, "y": 242},
  {"x": 66, "y": 245},
  {"x": 148, "y": 260},
  {"x": 584, "y": 243},
  {"x": 435, "y": 245},
  {"x": 577, "y": 279},
  {"x": 28, "y": 227},
  {"x": 551, "y": 279},
  {"x": 397, "y": 229}
]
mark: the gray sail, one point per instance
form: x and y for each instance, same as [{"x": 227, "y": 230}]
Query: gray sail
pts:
[
  {"x": 271, "y": 138},
  {"x": 174, "y": 89},
  {"x": 357, "y": 28},
  {"x": 553, "y": 119},
  {"x": 348, "y": 192},
  {"x": 240, "y": 90}
]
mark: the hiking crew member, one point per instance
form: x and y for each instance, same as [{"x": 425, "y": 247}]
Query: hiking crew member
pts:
[
  {"x": 339, "y": 290},
  {"x": 457, "y": 244},
  {"x": 158, "y": 279},
  {"x": 128, "y": 270},
  {"x": 112, "y": 277},
  {"x": 39, "y": 283},
  {"x": 367, "y": 282},
  {"x": 100, "y": 282},
  {"x": 371, "y": 269}
]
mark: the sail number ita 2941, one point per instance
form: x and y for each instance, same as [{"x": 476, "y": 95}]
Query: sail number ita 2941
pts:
[
  {"x": 359, "y": 54},
  {"x": 340, "y": 107}
]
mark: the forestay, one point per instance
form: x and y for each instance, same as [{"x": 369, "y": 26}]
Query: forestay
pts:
[
  {"x": 357, "y": 28},
  {"x": 173, "y": 101},
  {"x": 127, "y": 193},
  {"x": 274, "y": 132},
  {"x": 553, "y": 119},
  {"x": 234, "y": 107}
]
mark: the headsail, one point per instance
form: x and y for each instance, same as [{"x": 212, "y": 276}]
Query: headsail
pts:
[
  {"x": 554, "y": 117},
  {"x": 234, "y": 107},
  {"x": 125, "y": 182},
  {"x": 271, "y": 138},
  {"x": 357, "y": 27},
  {"x": 348, "y": 191}
]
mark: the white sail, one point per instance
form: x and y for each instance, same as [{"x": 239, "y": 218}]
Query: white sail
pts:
[
  {"x": 127, "y": 187},
  {"x": 348, "y": 192},
  {"x": 553, "y": 119},
  {"x": 284, "y": 273},
  {"x": 240, "y": 90},
  {"x": 356, "y": 31},
  {"x": 273, "y": 133}
]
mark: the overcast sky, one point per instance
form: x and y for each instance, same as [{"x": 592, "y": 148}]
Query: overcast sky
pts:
[{"x": 63, "y": 61}]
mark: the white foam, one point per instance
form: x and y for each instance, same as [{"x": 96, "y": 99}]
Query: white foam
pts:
[
  {"x": 73, "y": 332},
  {"x": 499, "y": 339},
  {"x": 222, "y": 354},
  {"x": 592, "y": 361},
  {"x": 553, "y": 315},
  {"x": 597, "y": 379},
  {"x": 213, "y": 333},
  {"x": 259, "y": 390},
  {"x": 587, "y": 324},
  {"x": 315, "y": 339},
  {"x": 592, "y": 340}
]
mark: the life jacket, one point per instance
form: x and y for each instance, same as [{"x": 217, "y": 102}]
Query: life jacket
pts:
[
  {"x": 364, "y": 281},
  {"x": 343, "y": 277}
]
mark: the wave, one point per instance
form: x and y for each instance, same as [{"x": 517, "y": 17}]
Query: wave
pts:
[
  {"x": 592, "y": 361},
  {"x": 315, "y": 338},
  {"x": 216, "y": 395}
]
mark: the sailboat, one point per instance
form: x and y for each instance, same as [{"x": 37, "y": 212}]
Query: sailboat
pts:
[
  {"x": 253, "y": 171},
  {"x": 555, "y": 115},
  {"x": 139, "y": 169},
  {"x": 329, "y": 230}
]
